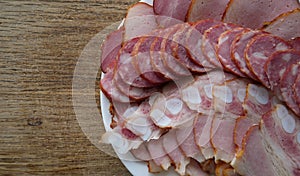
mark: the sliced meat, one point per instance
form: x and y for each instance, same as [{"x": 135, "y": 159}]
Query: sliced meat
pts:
[
  {"x": 223, "y": 50},
  {"x": 237, "y": 51},
  {"x": 171, "y": 147},
  {"x": 255, "y": 14},
  {"x": 286, "y": 25},
  {"x": 257, "y": 102},
  {"x": 153, "y": 168},
  {"x": 195, "y": 169},
  {"x": 140, "y": 20},
  {"x": 286, "y": 87},
  {"x": 220, "y": 168},
  {"x": 170, "y": 12},
  {"x": 141, "y": 153},
  {"x": 258, "y": 50},
  {"x": 202, "y": 9},
  {"x": 110, "y": 49},
  {"x": 193, "y": 42},
  {"x": 277, "y": 65},
  {"x": 295, "y": 43},
  {"x": 282, "y": 127},
  {"x": 257, "y": 151},
  {"x": 109, "y": 89},
  {"x": 158, "y": 154},
  {"x": 296, "y": 90},
  {"x": 186, "y": 140},
  {"x": 210, "y": 41}
]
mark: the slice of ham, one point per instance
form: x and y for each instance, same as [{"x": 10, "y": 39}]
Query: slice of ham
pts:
[
  {"x": 202, "y": 9},
  {"x": 172, "y": 149},
  {"x": 110, "y": 49},
  {"x": 295, "y": 42},
  {"x": 277, "y": 65},
  {"x": 195, "y": 169},
  {"x": 286, "y": 87},
  {"x": 296, "y": 90},
  {"x": 193, "y": 42},
  {"x": 223, "y": 50},
  {"x": 170, "y": 12},
  {"x": 258, "y": 151},
  {"x": 141, "y": 153},
  {"x": 237, "y": 51},
  {"x": 257, "y": 52},
  {"x": 210, "y": 41},
  {"x": 140, "y": 20},
  {"x": 286, "y": 25},
  {"x": 256, "y": 14}
]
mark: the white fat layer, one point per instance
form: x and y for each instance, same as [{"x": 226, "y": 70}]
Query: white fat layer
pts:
[
  {"x": 298, "y": 137},
  {"x": 241, "y": 94},
  {"x": 174, "y": 105},
  {"x": 224, "y": 93},
  {"x": 262, "y": 96},
  {"x": 252, "y": 90},
  {"x": 260, "y": 55},
  {"x": 136, "y": 91},
  {"x": 295, "y": 69},
  {"x": 130, "y": 111},
  {"x": 139, "y": 126},
  {"x": 223, "y": 39},
  {"x": 210, "y": 54},
  {"x": 281, "y": 46},
  {"x": 238, "y": 57},
  {"x": 147, "y": 135},
  {"x": 287, "y": 57},
  {"x": 159, "y": 118},
  {"x": 288, "y": 124},
  {"x": 208, "y": 90},
  {"x": 191, "y": 95},
  {"x": 153, "y": 97},
  {"x": 281, "y": 111},
  {"x": 118, "y": 142}
]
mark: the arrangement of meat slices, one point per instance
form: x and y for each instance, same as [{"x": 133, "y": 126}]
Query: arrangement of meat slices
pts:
[{"x": 206, "y": 87}]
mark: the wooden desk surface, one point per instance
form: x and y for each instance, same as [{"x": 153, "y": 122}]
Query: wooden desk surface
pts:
[{"x": 40, "y": 44}]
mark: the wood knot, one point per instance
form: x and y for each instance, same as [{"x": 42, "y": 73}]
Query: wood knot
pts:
[{"x": 34, "y": 121}]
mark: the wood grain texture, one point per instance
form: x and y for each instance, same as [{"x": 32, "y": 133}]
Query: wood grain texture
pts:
[{"x": 40, "y": 43}]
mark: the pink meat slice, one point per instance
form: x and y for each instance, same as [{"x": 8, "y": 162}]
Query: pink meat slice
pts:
[
  {"x": 202, "y": 9},
  {"x": 258, "y": 151},
  {"x": 258, "y": 50},
  {"x": 223, "y": 50},
  {"x": 286, "y": 87},
  {"x": 193, "y": 42},
  {"x": 296, "y": 90},
  {"x": 171, "y": 12},
  {"x": 210, "y": 41},
  {"x": 277, "y": 65},
  {"x": 258, "y": 101},
  {"x": 172, "y": 149},
  {"x": 295, "y": 43},
  {"x": 286, "y": 25},
  {"x": 255, "y": 14},
  {"x": 195, "y": 169},
  {"x": 110, "y": 49},
  {"x": 186, "y": 140},
  {"x": 140, "y": 20},
  {"x": 141, "y": 153},
  {"x": 282, "y": 127},
  {"x": 237, "y": 51}
]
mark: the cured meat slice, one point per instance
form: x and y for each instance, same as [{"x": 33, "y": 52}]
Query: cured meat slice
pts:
[
  {"x": 158, "y": 154},
  {"x": 237, "y": 51},
  {"x": 140, "y": 20},
  {"x": 202, "y": 126},
  {"x": 257, "y": 151},
  {"x": 223, "y": 50},
  {"x": 153, "y": 168},
  {"x": 296, "y": 90},
  {"x": 286, "y": 87},
  {"x": 171, "y": 12},
  {"x": 255, "y": 14},
  {"x": 295, "y": 43},
  {"x": 286, "y": 25},
  {"x": 193, "y": 42},
  {"x": 110, "y": 49},
  {"x": 141, "y": 153},
  {"x": 109, "y": 89},
  {"x": 281, "y": 127},
  {"x": 258, "y": 50},
  {"x": 210, "y": 41},
  {"x": 257, "y": 102},
  {"x": 180, "y": 51},
  {"x": 202, "y": 9},
  {"x": 186, "y": 140},
  {"x": 277, "y": 65},
  {"x": 194, "y": 169},
  {"x": 224, "y": 169},
  {"x": 171, "y": 147},
  {"x": 227, "y": 100}
]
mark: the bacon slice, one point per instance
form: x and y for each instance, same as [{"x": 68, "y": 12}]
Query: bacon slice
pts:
[
  {"x": 286, "y": 25},
  {"x": 255, "y": 14},
  {"x": 202, "y": 9},
  {"x": 295, "y": 42}
]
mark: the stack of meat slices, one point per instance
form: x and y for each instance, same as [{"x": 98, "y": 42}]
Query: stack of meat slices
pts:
[{"x": 207, "y": 87}]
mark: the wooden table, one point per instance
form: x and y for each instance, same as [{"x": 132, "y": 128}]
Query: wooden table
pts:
[{"x": 40, "y": 45}]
